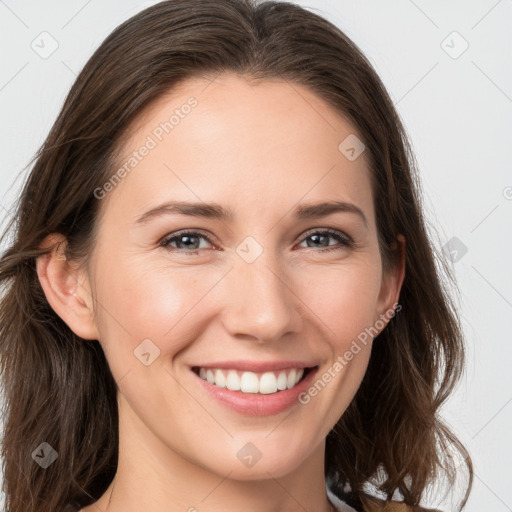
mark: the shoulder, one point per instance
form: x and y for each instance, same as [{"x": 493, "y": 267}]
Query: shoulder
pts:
[
  {"x": 372, "y": 504},
  {"x": 364, "y": 502}
]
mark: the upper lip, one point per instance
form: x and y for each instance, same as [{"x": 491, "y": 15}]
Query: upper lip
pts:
[{"x": 257, "y": 366}]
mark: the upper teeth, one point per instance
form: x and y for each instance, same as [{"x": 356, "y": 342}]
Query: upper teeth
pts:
[{"x": 250, "y": 382}]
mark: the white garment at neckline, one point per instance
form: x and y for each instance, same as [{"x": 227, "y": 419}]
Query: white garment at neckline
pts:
[{"x": 340, "y": 505}]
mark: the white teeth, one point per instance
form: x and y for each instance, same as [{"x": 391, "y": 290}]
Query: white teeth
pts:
[
  {"x": 220, "y": 379},
  {"x": 233, "y": 381},
  {"x": 291, "y": 379},
  {"x": 281, "y": 381},
  {"x": 268, "y": 383},
  {"x": 250, "y": 382}
]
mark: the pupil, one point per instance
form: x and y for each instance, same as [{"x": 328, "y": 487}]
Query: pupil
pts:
[
  {"x": 316, "y": 237},
  {"x": 186, "y": 237}
]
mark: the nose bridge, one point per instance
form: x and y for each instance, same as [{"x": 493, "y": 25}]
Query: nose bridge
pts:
[{"x": 262, "y": 302}]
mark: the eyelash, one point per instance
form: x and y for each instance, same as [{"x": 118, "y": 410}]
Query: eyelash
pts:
[{"x": 345, "y": 241}]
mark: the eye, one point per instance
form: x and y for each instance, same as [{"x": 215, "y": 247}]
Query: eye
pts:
[
  {"x": 188, "y": 242},
  {"x": 321, "y": 237}
]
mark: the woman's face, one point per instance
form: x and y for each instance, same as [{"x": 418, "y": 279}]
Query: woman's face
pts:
[{"x": 261, "y": 290}]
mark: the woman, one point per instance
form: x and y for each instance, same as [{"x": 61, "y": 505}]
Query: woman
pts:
[{"x": 172, "y": 338}]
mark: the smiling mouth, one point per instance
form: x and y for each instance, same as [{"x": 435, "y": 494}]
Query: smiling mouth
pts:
[{"x": 263, "y": 383}]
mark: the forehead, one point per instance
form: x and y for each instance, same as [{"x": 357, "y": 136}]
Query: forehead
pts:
[{"x": 235, "y": 140}]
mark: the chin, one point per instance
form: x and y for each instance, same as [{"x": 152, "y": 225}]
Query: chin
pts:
[{"x": 256, "y": 460}]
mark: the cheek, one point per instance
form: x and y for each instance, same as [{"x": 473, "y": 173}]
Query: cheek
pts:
[
  {"x": 137, "y": 301},
  {"x": 343, "y": 301},
  {"x": 172, "y": 305},
  {"x": 343, "y": 297}
]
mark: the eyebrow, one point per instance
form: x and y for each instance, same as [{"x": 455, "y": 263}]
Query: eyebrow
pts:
[{"x": 216, "y": 211}]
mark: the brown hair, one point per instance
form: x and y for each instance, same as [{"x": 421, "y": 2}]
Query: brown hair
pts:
[{"x": 58, "y": 387}]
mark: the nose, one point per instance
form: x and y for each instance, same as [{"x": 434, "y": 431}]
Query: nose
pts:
[{"x": 261, "y": 304}]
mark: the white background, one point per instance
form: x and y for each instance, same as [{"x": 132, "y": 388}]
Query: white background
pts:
[{"x": 458, "y": 113}]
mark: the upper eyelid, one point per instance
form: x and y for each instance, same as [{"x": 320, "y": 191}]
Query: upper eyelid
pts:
[
  {"x": 213, "y": 239},
  {"x": 182, "y": 232}
]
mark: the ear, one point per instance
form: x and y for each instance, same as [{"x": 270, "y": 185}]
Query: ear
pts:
[
  {"x": 67, "y": 288},
  {"x": 391, "y": 284}
]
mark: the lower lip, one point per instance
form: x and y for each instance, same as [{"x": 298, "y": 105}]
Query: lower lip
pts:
[{"x": 256, "y": 404}]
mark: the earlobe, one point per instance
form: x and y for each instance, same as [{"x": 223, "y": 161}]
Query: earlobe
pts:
[{"x": 66, "y": 288}]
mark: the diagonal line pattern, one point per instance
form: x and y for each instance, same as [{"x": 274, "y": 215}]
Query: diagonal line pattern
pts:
[
  {"x": 14, "y": 76},
  {"x": 123, "y": 376},
  {"x": 4, "y": 208},
  {"x": 13, "y": 13},
  {"x": 497, "y": 497},
  {"x": 69, "y": 68},
  {"x": 211, "y": 81},
  {"x": 218, "y": 485},
  {"x": 495, "y": 289},
  {"x": 286, "y": 490},
  {"x": 417, "y": 83},
  {"x": 279, "y": 424},
  {"x": 199, "y": 403},
  {"x": 492, "y": 81},
  {"x": 485, "y": 15},
  {"x": 424, "y": 13},
  {"x": 492, "y": 419},
  {"x": 492, "y": 211},
  {"x": 76, "y": 14}
]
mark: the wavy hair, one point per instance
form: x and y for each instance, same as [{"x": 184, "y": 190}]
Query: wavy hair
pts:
[{"x": 58, "y": 388}]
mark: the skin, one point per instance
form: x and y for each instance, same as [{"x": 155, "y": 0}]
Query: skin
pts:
[{"x": 260, "y": 150}]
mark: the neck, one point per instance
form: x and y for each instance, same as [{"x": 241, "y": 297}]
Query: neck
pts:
[{"x": 152, "y": 477}]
